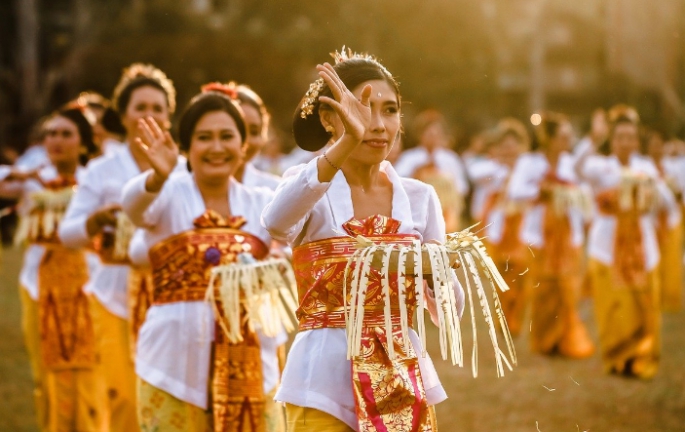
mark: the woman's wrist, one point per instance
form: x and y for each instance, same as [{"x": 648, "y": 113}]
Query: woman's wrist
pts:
[{"x": 155, "y": 181}]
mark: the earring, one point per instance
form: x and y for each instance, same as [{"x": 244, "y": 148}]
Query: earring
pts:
[{"x": 330, "y": 129}]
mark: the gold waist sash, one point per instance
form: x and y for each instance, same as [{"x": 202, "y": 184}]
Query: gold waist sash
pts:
[
  {"x": 389, "y": 393},
  {"x": 181, "y": 267}
]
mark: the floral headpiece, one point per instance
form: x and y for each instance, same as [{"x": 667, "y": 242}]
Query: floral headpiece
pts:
[
  {"x": 80, "y": 104},
  {"x": 317, "y": 86},
  {"x": 229, "y": 89}
]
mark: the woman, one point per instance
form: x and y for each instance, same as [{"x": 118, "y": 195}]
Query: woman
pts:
[
  {"x": 624, "y": 251},
  {"x": 215, "y": 215},
  {"x": 670, "y": 229},
  {"x": 553, "y": 228},
  {"x": 68, "y": 383},
  {"x": 93, "y": 215},
  {"x": 257, "y": 120},
  {"x": 503, "y": 216},
  {"x": 434, "y": 163},
  {"x": 350, "y": 190}
]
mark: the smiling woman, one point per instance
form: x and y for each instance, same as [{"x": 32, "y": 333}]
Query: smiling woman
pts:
[{"x": 193, "y": 221}]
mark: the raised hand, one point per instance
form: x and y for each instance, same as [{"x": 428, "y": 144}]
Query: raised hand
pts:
[
  {"x": 354, "y": 113},
  {"x": 158, "y": 147}
]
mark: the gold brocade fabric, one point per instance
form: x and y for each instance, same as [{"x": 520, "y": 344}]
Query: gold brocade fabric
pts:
[
  {"x": 671, "y": 264},
  {"x": 139, "y": 301},
  {"x": 389, "y": 393},
  {"x": 629, "y": 259},
  {"x": 66, "y": 327},
  {"x": 181, "y": 267}
]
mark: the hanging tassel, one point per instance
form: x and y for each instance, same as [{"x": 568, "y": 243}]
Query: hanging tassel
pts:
[{"x": 265, "y": 290}]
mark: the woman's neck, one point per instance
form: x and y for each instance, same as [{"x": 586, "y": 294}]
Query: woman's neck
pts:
[
  {"x": 365, "y": 176},
  {"x": 553, "y": 157},
  {"x": 66, "y": 169},
  {"x": 214, "y": 193},
  {"x": 624, "y": 159},
  {"x": 240, "y": 172}
]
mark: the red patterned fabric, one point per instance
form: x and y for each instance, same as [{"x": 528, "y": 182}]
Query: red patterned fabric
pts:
[{"x": 389, "y": 393}]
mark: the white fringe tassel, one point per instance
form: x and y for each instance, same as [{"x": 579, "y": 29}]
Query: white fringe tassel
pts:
[
  {"x": 269, "y": 296},
  {"x": 474, "y": 261}
]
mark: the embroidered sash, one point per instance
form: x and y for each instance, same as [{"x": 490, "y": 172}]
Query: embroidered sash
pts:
[
  {"x": 558, "y": 257},
  {"x": 629, "y": 258},
  {"x": 67, "y": 339},
  {"x": 181, "y": 267},
  {"x": 389, "y": 394}
]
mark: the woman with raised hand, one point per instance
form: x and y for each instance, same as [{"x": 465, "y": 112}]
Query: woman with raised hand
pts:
[
  {"x": 191, "y": 378},
  {"x": 56, "y": 317},
  {"x": 623, "y": 249},
  {"x": 319, "y": 208},
  {"x": 546, "y": 183},
  {"x": 94, "y": 217}
]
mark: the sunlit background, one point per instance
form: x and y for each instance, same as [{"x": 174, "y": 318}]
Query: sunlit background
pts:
[{"x": 474, "y": 60}]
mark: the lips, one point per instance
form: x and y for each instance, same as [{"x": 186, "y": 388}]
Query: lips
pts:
[
  {"x": 217, "y": 161},
  {"x": 376, "y": 143}
]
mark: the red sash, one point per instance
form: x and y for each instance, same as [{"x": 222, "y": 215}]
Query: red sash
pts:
[{"x": 389, "y": 393}]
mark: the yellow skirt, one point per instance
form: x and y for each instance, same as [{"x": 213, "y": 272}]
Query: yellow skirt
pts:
[
  {"x": 160, "y": 411},
  {"x": 112, "y": 335},
  {"x": 302, "y": 419},
  {"x": 629, "y": 322},
  {"x": 671, "y": 269},
  {"x": 29, "y": 326},
  {"x": 555, "y": 325},
  {"x": 77, "y": 400}
]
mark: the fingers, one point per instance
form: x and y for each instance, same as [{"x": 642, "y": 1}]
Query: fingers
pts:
[
  {"x": 366, "y": 95},
  {"x": 146, "y": 133},
  {"x": 159, "y": 133},
  {"x": 139, "y": 142},
  {"x": 169, "y": 141},
  {"x": 337, "y": 107},
  {"x": 330, "y": 80}
]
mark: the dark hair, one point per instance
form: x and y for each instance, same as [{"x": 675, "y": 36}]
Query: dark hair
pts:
[
  {"x": 205, "y": 103},
  {"x": 308, "y": 132},
  {"x": 142, "y": 75},
  {"x": 112, "y": 123},
  {"x": 85, "y": 131},
  {"x": 548, "y": 128}
]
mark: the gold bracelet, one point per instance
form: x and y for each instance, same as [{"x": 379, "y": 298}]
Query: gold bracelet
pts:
[{"x": 337, "y": 168}]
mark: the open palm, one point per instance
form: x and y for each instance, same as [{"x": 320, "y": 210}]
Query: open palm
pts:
[
  {"x": 158, "y": 146},
  {"x": 354, "y": 113}
]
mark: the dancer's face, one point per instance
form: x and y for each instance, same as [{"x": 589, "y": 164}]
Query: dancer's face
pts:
[
  {"x": 385, "y": 126},
  {"x": 215, "y": 147},
  {"x": 146, "y": 101},
  {"x": 256, "y": 132},
  {"x": 62, "y": 141},
  {"x": 624, "y": 140}
]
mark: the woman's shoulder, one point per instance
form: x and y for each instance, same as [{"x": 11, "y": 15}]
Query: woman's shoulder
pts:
[{"x": 416, "y": 189}]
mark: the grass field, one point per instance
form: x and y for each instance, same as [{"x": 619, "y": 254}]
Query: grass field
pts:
[{"x": 541, "y": 394}]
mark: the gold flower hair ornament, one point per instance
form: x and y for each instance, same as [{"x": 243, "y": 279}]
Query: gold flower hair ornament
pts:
[
  {"x": 464, "y": 250},
  {"x": 345, "y": 54}
]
